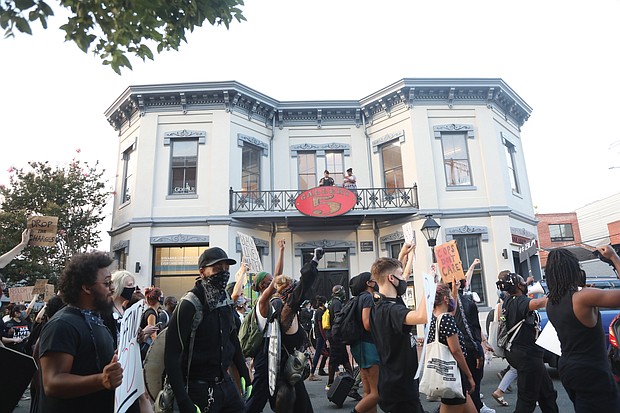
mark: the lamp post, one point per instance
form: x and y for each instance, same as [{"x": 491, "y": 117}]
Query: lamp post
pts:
[{"x": 430, "y": 229}]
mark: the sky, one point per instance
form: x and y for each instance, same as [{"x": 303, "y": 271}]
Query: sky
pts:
[{"x": 558, "y": 56}]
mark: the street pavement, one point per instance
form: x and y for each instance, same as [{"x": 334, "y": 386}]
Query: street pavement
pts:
[{"x": 316, "y": 389}]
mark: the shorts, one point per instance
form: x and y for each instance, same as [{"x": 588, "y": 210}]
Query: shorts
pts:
[{"x": 365, "y": 354}]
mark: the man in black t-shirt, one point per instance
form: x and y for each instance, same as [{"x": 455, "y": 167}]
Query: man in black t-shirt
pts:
[
  {"x": 326, "y": 180},
  {"x": 533, "y": 381},
  {"x": 79, "y": 369},
  {"x": 391, "y": 325}
]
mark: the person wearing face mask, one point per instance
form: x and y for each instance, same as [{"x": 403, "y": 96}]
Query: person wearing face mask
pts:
[
  {"x": 391, "y": 325},
  {"x": 337, "y": 349},
  {"x": 214, "y": 347},
  {"x": 533, "y": 381}
]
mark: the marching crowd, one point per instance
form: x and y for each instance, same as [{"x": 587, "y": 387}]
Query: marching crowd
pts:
[{"x": 219, "y": 353}]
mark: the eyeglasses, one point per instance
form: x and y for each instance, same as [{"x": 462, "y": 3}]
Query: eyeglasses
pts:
[{"x": 106, "y": 283}]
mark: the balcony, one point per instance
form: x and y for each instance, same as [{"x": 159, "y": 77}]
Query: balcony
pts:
[{"x": 378, "y": 200}]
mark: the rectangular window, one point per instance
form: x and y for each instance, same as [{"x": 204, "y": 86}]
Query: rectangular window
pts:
[
  {"x": 561, "y": 232},
  {"x": 512, "y": 167},
  {"x": 127, "y": 175},
  {"x": 306, "y": 164},
  {"x": 334, "y": 162},
  {"x": 250, "y": 170},
  {"x": 174, "y": 269},
  {"x": 184, "y": 160},
  {"x": 392, "y": 166},
  {"x": 469, "y": 249},
  {"x": 456, "y": 159},
  {"x": 331, "y": 260}
]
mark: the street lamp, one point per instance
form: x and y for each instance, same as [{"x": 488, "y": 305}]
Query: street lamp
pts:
[{"x": 430, "y": 229}]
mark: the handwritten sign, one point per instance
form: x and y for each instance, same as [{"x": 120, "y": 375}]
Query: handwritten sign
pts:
[
  {"x": 43, "y": 231},
  {"x": 449, "y": 262},
  {"x": 49, "y": 292},
  {"x": 409, "y": 233},
  {"x": 39, "y": 286},
  {"x": 250, "y": 253},
  {"x": 21, "y": 294},
  {"x": 129, "y": 356}
]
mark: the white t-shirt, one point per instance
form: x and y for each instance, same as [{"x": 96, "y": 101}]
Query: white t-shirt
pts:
[{"x": 262, "y": 321}]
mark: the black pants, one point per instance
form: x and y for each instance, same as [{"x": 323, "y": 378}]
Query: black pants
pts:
[
  {"x": 477, "y": 374},
  {"x": 320, "y": 344},
  {"x": 533, "y": 381},
  {"x": 211, "y": 397},
  {"x": 260, "y": 382}
]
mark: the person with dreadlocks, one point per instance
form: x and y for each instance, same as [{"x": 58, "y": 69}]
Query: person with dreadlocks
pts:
[
  {"x": 290, "y": 394},
  {"x": 573, "y": 310}
]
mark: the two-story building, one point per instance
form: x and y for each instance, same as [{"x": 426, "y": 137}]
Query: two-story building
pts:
[{"x": 201, "y": 162}]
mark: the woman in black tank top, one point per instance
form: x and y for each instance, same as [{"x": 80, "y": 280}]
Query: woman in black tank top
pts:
[{"x": 573, "y": 310}]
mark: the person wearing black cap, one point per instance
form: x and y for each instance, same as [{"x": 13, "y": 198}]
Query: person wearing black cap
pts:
[{"x": 215, "y": 344}]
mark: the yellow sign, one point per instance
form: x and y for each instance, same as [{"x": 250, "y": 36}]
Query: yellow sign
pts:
[{"x": 449, "y": 262}]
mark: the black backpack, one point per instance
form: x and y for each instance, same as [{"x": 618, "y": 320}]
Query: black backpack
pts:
[{"x": 347, "y": 325}]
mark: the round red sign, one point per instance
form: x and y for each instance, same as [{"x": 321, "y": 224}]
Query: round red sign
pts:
[{"x": 325, "y": 201}]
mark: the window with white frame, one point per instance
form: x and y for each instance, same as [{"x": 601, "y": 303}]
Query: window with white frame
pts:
[
  {"x": 334, "y": 162},
  {"x": 183, "y": 165},
  {"x": 306, "y": 164},
  {"x": 561, "y": 232},
  {"x": 250, "y": 169},
  {"x": 512, "y": 166},
  {"x": 128, "y": 171},
  {"x": 392, "y": 164},
  {"x": 456, "y": 159}
]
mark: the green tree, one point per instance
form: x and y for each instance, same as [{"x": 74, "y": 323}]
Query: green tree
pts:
[
  {"x": 116, "y": 28},
  {"x": 76, "y": 194}
]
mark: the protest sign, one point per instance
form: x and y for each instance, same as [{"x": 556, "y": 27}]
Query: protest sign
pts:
[
  {"x": 129, "y": 356},
  {"x": 250, "y": 253},
  {"x": 20, "y": 294},
  {"x": 42, "y": 231},
  {"x": 430, "y": 288},
  {"x": 409, "y": 233},
  {"x": 49, "y": 292},
  {"x": 39, "y": 286},
  {"x": 449, "y": 262}
]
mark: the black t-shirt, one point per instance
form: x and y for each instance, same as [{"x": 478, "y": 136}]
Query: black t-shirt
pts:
[
  {"x": 397, "y": 350},
  {"x": 365, "y": 300},
  {"x": 305, "y": 318},
  {"x": 326, "y": 181},
  {"x": 335, "y": 306},
  {"x": 16, "y": 329},
  {"x": 91, "y": 345},
  {"x": 517, "y": 309}
]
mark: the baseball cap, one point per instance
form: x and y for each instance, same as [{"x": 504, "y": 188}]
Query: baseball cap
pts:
[{"x": 212, "y": 256}]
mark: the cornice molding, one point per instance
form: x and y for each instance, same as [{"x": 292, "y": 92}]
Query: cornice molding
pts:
[
  {"x": 243, "y": 139},
  {"x": 400, "y": 135},
  {"x": 180, "y": 239},
  {"x": 320, "y": 148},
  {"x": 331, "y": 244},
  {"x": 467, "y": 230},
  {"x": 392, "y": 237},
  {"x": 234, "y": 97}
]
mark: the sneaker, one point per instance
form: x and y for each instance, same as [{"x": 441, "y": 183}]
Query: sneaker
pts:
[
  {"x": 327, "y": 387},
  {"x": 486, "y": 409}
]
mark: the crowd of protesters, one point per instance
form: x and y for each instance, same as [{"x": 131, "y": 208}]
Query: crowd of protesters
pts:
[{"x": 74, "y": 337}]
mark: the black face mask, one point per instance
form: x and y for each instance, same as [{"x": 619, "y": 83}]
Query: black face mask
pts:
[
  {"x": 376, "y": 287},
  {"x": 128, "y": 292},
  {"x": 401, "y": 288},
  {"x": 218, "y": 280},
  {"x": 215, "y": 293}
]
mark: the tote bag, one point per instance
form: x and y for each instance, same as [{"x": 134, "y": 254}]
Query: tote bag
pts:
[
  {"x": 441, "y": 376},
  {"x": 493, "y": 330}
]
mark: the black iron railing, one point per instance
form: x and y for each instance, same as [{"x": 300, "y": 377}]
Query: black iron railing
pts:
[{"x": 284, "y": 200}]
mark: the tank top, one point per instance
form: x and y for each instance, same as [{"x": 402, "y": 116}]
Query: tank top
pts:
[{"x": 578, "y": 342}]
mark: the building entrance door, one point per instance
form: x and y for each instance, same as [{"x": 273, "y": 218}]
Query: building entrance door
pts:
[{"x": 333, "y": 270}]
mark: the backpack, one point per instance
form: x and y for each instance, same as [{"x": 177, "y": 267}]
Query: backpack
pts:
[
  {"x": 326, "y": 320},
  {"x": 250, "y": 335},
  {"x": 505, "y": 337},
  {"x": 347, "y": 326}
]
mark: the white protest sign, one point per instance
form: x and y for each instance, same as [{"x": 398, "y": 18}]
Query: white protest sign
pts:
[
  {"x": 132, "y": 386},
  {"x": 548, "y": 339},
  {"x": 250, "y": 253},
  {"x": 430, "y": 288},
  {"x": 409, "y": 233}
]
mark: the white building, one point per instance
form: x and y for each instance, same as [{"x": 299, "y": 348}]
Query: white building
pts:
[{"x": 199, "y": 162}]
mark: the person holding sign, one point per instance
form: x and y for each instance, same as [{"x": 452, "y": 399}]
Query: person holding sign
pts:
[
  {"x": 8, "y": 256},
  {"x": 79, "y": 368},
  {"x": 584, "y": 367}
]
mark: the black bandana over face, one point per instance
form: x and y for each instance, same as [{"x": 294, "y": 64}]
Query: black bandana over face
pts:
[{"x": 215, "y": 293}]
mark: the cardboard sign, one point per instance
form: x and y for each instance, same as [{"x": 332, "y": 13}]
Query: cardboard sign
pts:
[
  {"x": 449, "y": 262},
  {"x": 39, "y": 286},
  {"x": 21, "y": 294},
  {"x": 409, "y": 233},
  {"x": 250, "y": 253},
  {"x": 129, "y": 356},
  {"x": 43, "y": 231},
  {"x": 49, "y": 292}
]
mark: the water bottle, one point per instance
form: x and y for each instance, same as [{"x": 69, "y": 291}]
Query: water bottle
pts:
[{"x": 488, "y": 357}]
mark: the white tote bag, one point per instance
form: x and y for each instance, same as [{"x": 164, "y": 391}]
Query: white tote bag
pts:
[
  {"x": 493, "y": 327},
  {"x": 441, "y": 376}
]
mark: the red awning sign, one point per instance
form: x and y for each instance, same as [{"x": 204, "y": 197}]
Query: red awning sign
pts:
[{"x": 325, "y": 201}]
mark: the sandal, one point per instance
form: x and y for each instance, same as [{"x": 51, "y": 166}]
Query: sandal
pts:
[{"x": 500, "y": 400}]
